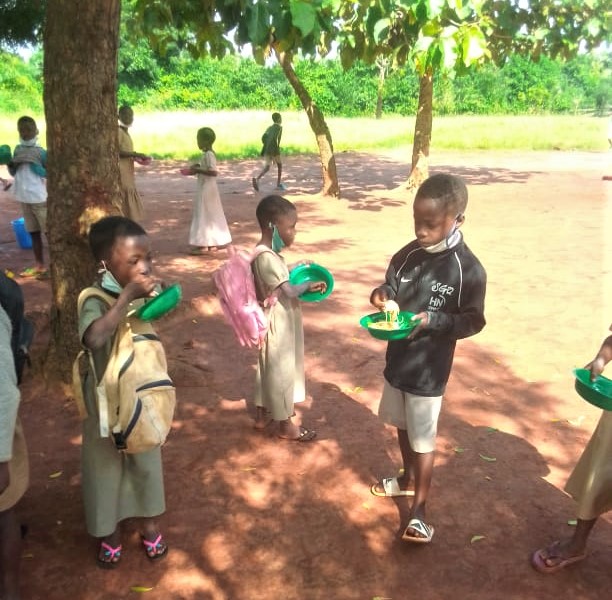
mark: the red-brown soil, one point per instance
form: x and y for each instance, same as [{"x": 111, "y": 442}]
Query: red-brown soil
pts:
[{"x": 251, "y": 517}]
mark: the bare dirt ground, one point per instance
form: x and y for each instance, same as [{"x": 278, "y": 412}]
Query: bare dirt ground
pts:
[{"x": 250, "y": 517}]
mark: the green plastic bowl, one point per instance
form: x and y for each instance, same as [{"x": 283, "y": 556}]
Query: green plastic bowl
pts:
[
  {"x": 405, "y": 329},
  {"x": 309, "y": 274},
  {"x": 161, "y": 305},
  {"x": 5, "y": 154},
  {"x": 598, "y": 392}
]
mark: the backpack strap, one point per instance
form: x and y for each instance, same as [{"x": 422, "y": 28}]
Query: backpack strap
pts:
[
  {"x": 77, "y": 383},
  {"x": 272, "y": 299}
]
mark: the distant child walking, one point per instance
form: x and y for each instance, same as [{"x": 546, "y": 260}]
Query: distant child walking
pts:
[
  {"x": 437, "y": 277},
  {"x": 117, "y": 485},
  {"x": 131, "y": 204},
  {"x": 209, "y": 230},
  {"x": 271, "y": 140},
  {"x": 28, "y": 167},
  {"x": 280, "y": 381},
  {"x": 590, "y": 484}
]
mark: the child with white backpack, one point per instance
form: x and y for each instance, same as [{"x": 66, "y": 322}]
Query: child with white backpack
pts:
[
  {"x": 279, "y": 381},
  {"x": 117, "y": 484}
]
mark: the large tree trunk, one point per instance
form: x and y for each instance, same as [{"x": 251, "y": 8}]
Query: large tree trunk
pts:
[
  {"x": 422, "y": 134},
  {"x": 80, "y": 73},
  {"x": 318, "y": 125}
]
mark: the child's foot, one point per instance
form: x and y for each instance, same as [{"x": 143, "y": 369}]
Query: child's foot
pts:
[
  {"x": 262, "y": 418},
  {"x": 418, "y": 531},
  {"x": 155, "y": 548},
  {"x": 255, "y": 184},
  {"x": 197, "y": 251},
  {"x": 281, "y": 186},
  {"x": 109, "y": 557},
  {"x": 303, "y": 435},
  {"x": 32, "y": 272},
  {"x": 555, "y": 557},
  {"x": 391, "y": 487}
]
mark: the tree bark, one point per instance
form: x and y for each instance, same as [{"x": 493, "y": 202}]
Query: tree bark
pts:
[
  {"x": 318, "y": 125},
  {"x": 422, "y": 134},
  {"x": 80, "y": 73}
]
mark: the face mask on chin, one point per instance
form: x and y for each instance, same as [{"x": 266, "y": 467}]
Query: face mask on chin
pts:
[
  {"x": 452, "y": 239},
  {"x": 277, "y": 240},
  {"x": 110, "y": 284}
]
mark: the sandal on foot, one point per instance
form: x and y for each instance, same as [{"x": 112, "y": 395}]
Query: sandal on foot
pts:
[
  {"x": 305, "y": 435},
  {"x": 156, "y": 549},
  {"x": 109, "y": 557},
  {"x": 255, "y": 184},
  {"x": 7, "y": 186},
  {"x": 420, "y": 527},
  {"x": 542, "y": 564},
  {"x": 389, "y": 488},
  {"x": 29, "y": 272}
]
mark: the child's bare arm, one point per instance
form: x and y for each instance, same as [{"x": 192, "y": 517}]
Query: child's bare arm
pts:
[
  {"x": 204, "y": 171},
  {"x": 293, "y": 291},
  {"x": 103, "y": 328},
  {"x": 603, "y": 357}
]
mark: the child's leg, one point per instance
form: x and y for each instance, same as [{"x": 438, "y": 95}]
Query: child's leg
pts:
[
  {"x": 559, "y": 552},
  {"x": 37, "y": 249},
  {"x": 10, "y": 553},
  {"x": 279, "y": 166}
]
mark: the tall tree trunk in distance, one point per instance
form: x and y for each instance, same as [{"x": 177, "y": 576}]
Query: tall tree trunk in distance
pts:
[
  {"x": 383, "y": 65},
  {"x": 422, "y": 134},
  {"x": 80, "y": 73},
  {"x": 318, "y": 125}
]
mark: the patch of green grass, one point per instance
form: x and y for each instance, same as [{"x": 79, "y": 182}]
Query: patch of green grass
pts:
[{"x": 173, "y": 134}]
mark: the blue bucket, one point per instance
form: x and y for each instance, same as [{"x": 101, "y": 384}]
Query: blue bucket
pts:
[{"x": 21, "y": 234}]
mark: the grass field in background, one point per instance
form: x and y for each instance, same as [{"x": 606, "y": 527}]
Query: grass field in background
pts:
[{"x": 173, "y": 134}]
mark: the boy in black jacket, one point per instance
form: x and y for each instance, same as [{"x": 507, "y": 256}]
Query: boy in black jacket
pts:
[{"x": 437, "y": 277}]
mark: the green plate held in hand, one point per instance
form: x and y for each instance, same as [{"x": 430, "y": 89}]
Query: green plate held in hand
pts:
[
  {"x": 598, "y": 392},
  {"x": 161, "y": 304},
  {"x": 404, "y": 329},
  {"x": 310, "y": 274}
]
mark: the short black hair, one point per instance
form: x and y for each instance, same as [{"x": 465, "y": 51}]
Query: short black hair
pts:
[
  {"x": 104, "y": 233},
  {"x": 26, "y": 119},
  {"x": 271, "y": 207},
  {"x": 207, "y": 134},
  {"x": 276, "y": 117},
  {"x": 449, "y": 191}
]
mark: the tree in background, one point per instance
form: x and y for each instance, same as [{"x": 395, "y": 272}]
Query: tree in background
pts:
[
  {"x": 451, "y": 35},
  {"x": 281, "y": 27},
  {"x": 80, "y": 75}
]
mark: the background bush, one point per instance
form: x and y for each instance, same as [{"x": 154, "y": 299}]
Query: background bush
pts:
[{"x": 177, "y": 82}]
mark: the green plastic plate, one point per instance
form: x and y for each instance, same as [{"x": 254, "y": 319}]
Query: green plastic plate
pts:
[
  {"x": 161, "y": 305},
  {"x": 404, "y": 318},
  {"x": 311, "y": 273},
  {"x": 598, "y": 392}
]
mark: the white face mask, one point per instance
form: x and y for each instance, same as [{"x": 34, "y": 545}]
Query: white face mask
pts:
[{"x": 452, "y": 239}]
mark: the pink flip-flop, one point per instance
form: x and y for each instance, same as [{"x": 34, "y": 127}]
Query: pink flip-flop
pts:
[
  {"x": 113, "y": 556},
  {"x": 539, "y": 562}
]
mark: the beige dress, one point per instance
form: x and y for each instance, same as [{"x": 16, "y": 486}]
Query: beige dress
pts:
[
  {"x": 590, "y": 483},
  {"x": 279, "y": 381},
  {"x": 116, "y": 485},
  {"x": 131, "y": 204}
]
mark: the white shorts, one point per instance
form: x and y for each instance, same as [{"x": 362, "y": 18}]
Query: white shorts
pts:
[{"x": 418, "y": 415}]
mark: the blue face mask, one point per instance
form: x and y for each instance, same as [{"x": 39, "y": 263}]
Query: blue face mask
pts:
[
  {"x": 110, "y": 284},
  {"x": 277, "y": 240}
]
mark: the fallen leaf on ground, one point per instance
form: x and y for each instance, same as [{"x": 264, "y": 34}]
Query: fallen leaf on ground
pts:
[
  {"x": 140, "y": 588},
  {"x": 55, "y": 475},
  {"x": 459, "y": 450},
  {"x": 491, "y": 429},
  {"x": 577, "y": 421},
  {"x": 477, "y": 538},
  {"x": 249, "y": 468},
  {"x": 572, "y": 522},
  {"x": 487, "y": 458}
]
